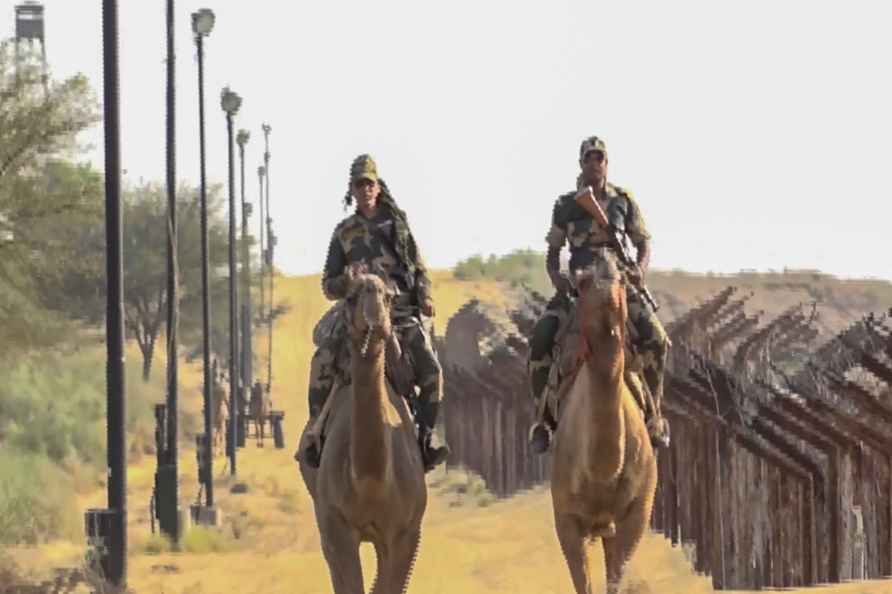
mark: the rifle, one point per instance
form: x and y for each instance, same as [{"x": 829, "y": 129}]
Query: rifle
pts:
[{"x": 618, "y": 241}]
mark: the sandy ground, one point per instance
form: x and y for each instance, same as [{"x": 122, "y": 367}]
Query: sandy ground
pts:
[{"x": 268, "y": 543}]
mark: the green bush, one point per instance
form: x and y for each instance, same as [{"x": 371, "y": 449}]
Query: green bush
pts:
[
  {"x": 199, "y": 540},
  {"x": 52, "y": 439},
  {"x": 463, "y": 487},
  {"x": 520, "y": 267},
  {"x": 36, "y": 502},
  {"x": 157, "y": 544},
  {"x": 55, "y": 405}
]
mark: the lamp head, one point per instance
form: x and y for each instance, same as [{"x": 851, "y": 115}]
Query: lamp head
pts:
[{"x": 203, "y": 22}]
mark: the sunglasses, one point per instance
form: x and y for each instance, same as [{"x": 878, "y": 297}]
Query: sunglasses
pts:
[{"x": 598, "y": 156}]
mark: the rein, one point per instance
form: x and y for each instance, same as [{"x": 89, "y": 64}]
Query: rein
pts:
[
  {"x": 366, "y": 340},
  {"x": 584, "y": 351}
]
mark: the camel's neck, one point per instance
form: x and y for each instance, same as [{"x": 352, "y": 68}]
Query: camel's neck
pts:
[
  {"x": 369, "y": 446},
  {"x": 599, "y": 415}
]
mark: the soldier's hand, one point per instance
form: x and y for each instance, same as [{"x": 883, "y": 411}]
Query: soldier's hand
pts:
[
  {"x": 356, "y": 269},
  {"x": 427, "y": 308},
  {"x": 636, "y": 275},
  {"x": 562, "y": 284},
  {"x": 586, "y": 191}
]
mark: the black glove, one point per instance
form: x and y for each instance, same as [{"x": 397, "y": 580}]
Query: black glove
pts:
[{"x": 562, "y": 284}]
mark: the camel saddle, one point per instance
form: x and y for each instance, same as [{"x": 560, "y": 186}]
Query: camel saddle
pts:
[
  {"x": 567, "y": 359},
  {"x": 399, "y": 367}
]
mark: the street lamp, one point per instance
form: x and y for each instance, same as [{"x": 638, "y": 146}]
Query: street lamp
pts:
[
  {"x": 269, "y": 262},
  {"x": 107, "y": 528},
  {"x": 230, "y": 102},
  {"x": 202, "y": 24},
  {"x": 166, "y": 487},
  {"x": 247, "y": 352},
  {"x": 261, "y": 172}
]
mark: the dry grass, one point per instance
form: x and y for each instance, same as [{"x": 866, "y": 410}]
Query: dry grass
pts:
[{"x": 472, "y": 543}]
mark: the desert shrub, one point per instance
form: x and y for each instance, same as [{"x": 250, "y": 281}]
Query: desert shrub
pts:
[
  {"x": 521, "y": 267},
  {"x": 36, "y": 502},
  {"x": 52, "y": 439},
  {"x": 200, "y": 540}
]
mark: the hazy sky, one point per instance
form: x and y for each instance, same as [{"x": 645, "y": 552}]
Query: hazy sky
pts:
[{"x": 754, "y": 134}]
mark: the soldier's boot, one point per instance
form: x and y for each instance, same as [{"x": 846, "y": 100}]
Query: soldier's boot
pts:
[
  {"x": 321, "y": 383},
  {"x": 657, "y": 425},
  {"x": 658, "y": 431},
  {"x": 542, "y": 431},
  {"x": 434, "y": 451},
  {"x": 312, "y": 452}
]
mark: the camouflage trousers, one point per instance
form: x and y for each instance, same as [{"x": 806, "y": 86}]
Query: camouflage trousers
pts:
[
  {"x": 646, "y": 332},
  {"x": 332, "y": 360}
]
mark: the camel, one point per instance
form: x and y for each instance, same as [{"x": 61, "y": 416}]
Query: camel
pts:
[
  {"x": 604, "y": 472},
  {"x": 369, "y": 486},
  {"x": 260, "y": 405}
]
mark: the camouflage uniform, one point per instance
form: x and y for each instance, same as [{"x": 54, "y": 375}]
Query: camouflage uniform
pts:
[
  {"x": 572, "y": 225},
  {"x": 359, "y": 240},
  {"x": 387, "y": 248}
]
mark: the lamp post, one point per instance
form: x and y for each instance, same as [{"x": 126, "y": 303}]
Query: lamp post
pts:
[
  {"x": 230, "y": 102},
  {"x": 202, "y": 25},
  {"x": 268, "y": 260},
  {"x": 107, "y": 528},
  {"x": 261, "y": 172},
  {"x": 247, "y": 351},
  {"x": 166, "y": 487}
]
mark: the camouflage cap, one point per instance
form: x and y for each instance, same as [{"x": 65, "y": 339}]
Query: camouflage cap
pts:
[
  {"x": 363, "y": 167},
  {"x": 592, "y": 143}
]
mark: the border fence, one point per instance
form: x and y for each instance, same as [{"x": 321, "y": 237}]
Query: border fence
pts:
[{"x": 780, "y": 469}]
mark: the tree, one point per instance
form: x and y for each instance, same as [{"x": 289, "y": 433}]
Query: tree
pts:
[
  {"x": 145, "y": 262},
  {"x": 38, "y": 124}
]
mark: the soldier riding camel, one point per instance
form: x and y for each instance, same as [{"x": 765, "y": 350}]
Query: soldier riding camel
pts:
[
  {"x": 596, "y": 215},
  {"x": 376, "y": 239}
]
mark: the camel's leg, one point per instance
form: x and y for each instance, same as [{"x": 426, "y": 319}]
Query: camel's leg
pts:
[
  {"x": 340, "y": 545},
  {"x": 576, "y": 551},
  {"x": 394, "y": 573},
  {"x": 619, "y": 549}
]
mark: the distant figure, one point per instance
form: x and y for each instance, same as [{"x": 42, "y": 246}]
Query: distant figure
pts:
[
  {"x": 220, "y": 408},
  {"x": 260, "y": 405}
]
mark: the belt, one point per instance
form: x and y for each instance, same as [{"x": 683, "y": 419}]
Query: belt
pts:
[{"x": 404, "y": 300}]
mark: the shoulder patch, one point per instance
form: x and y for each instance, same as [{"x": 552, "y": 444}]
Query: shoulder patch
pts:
[
  {"x": 566, "y": 209},
  {"x": 624, "y": 192},
  {"x": 348, "y": 228},
  {"x": 347, "y": 223}
]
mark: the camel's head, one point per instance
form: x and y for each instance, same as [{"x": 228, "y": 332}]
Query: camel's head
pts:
[
  {"x": 602, "y": 303},
  {"x": 368, "y": 311}
]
